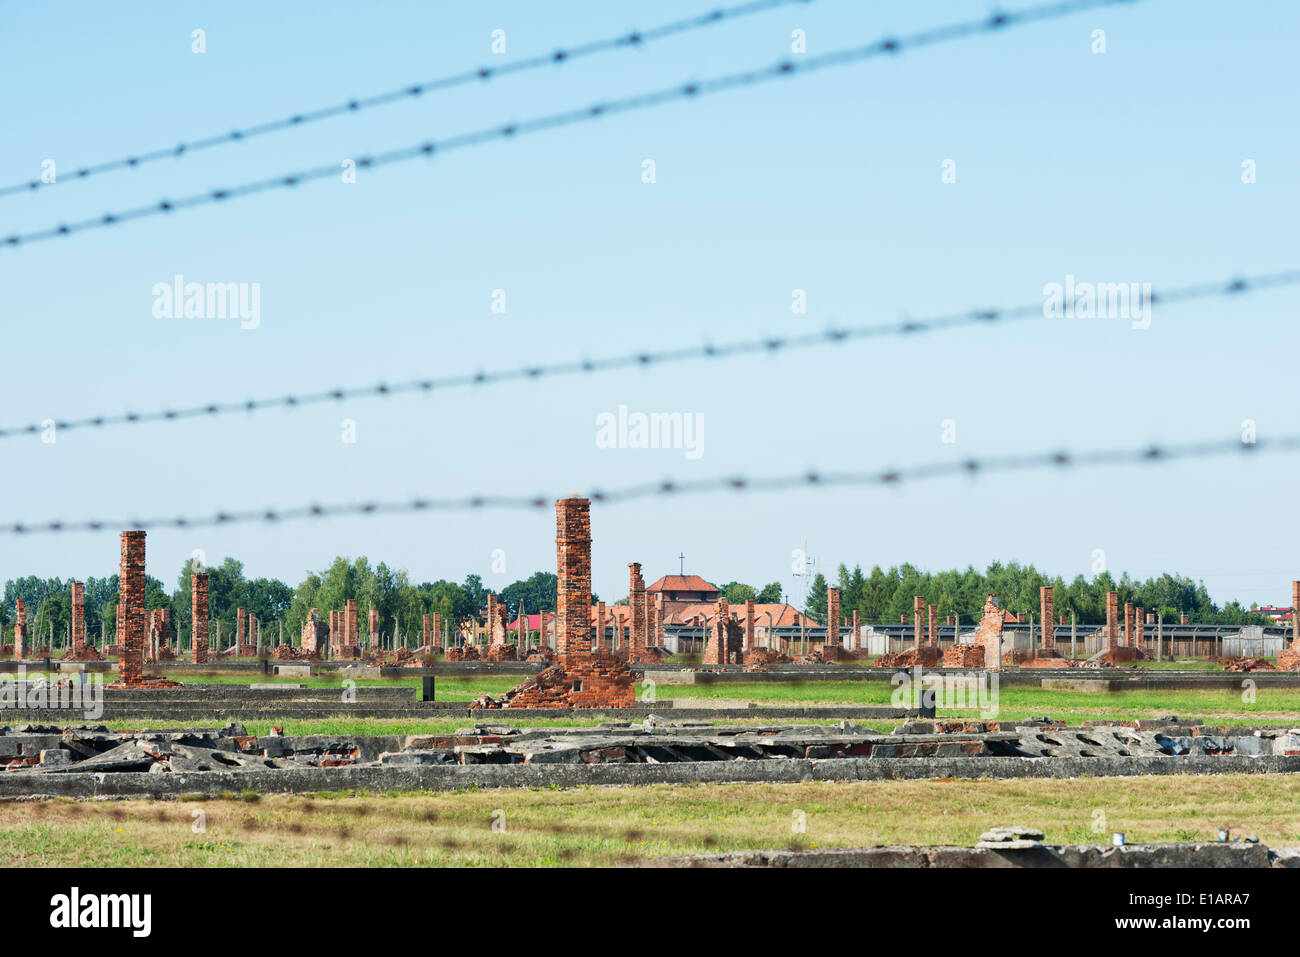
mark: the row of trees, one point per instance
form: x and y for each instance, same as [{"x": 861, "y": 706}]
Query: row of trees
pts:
[
  {"x": 881, "y": 596},
  {"x": 401, "y": 604},
  {"x": 884, "y": 595}
]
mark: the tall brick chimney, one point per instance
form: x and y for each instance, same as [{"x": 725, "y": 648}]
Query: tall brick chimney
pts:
[
  {"x": 918, "y": 613},
  {"x": 832, "y": 615},
  {"x": 130, "y": 598},
  {"x": 636, "y": 603},
  {"x": 20, "y": 630},
  {"x": 78, "y": 620},
  {"x": 1128, "y": 623},
  {"x": 1045, "y": 615},
  {"x": 199, "y": 616},
  {"x": 1295, "y": 615},
  {"x": 573, "y": 590},
  {"x": 1112, "y": 622}
]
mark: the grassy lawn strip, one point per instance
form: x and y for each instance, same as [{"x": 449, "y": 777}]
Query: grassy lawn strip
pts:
[{"x": 603, "y": 826}]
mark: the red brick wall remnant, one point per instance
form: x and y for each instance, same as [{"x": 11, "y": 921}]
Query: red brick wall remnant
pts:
[
  {"x": 20, "y": 629},
  {"x": 964, "y": 656},
  {"x": 832, "y": 616},
  {"x": 989, "y": 633},
  {"x": 857, "y": 630},
  {"x": 350, "y": 623},
  {"x": 749, "y": 624},
  {"x": 1128, "y": 624},
  {"x": 426, "y": 634},
  {"x": 199, "y": 617},
  {"x": 932, "y": 632},
  {"x": 602, "y": 640},
  {"x": 1139, "y": 625},
  {"x": 1045, "y": 616},
  {"x": 1182, "y": 619},
  {"x": 130, "y": 597},
  {"x": 374, "y": 629},
  {"x": 1112, "y": 619},
  {"x": 241, "y": 626}
]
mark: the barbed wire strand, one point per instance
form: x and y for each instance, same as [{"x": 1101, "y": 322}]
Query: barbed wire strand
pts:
[
  {"x": 972, "y": 467},
  {"x": 412, "y": 91},
  {"x": 888, "y": 46},
  {"x": 832, "y": 336}
]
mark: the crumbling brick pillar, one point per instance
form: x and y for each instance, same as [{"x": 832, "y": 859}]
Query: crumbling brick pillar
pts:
[
  {"x": 636, "y": 603},
  {"x": 20, "y": 630},
  {"x": 601, "y": 641},
  {"x": 1128, "y": 623},
  {"x": 1295, "y": 615},
  {"x": 1112, "y": 616},
  {"x": 425, "y": 640},
  {"x": 199, "y": 617},
  {"x": 309, "y": 632},
  {"x": 374, "y": 629},
  {"x": 932, "y": 631},
  {"x": 336, "y": 632},
  {"x": 1182, "y": 619},
  {"x": 989, "y": 633},
  {"x": 573, "y": 589},
  {"x": 1139, "y": 619},
  {"x": 715, "y": 651},
  {"x": 437, "y": 628},
  {"x": 749, "y": 624},
  {"x": 349, "y": 626},
  {"x": 832, "y": 616},
  {"x": 241, "y": 623},
  {"x": 254, "y": 629},
  {"x": 494, "y": 634},
  {"x": 857, "y": 631},
  {"x": 659, "y": 620},
  {"x": 1045, "y": 616},
  {"x": 78, "y": 620},
  {"x": 130, "y": 598},
  {"x": 918, "y": 611}
]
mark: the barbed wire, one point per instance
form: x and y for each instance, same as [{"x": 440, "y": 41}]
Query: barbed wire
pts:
[
  {"x": 832, "y": 336},
  {"x": 631, "y": 40},
  {"x": 1060, "y": 460},
  {"x": 889, "y": 46}
]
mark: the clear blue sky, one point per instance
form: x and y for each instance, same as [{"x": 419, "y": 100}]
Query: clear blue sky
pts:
[{"x": 1117, "y": 167}]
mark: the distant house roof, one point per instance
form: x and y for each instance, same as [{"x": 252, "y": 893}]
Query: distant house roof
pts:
[
  {"x": 534, "y": 622},
  {"x": 783, "y": 616},
  {"x": 682, "y": 583}
]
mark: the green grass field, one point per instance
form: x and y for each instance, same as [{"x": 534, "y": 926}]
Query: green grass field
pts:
[{"x": 611, "y": 825}]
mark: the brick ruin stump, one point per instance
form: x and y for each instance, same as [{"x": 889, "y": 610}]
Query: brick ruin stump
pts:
[
  {"x": 580, "y": 677},
  {"x": 130, "y": 601},
  {"x": 464, "y": 653},
  {"x": 502, "y": 652},
  {"x": 765, "y": 656},
  {"x": 926, "y": 656},
  {"x": 964, "y": 656}
]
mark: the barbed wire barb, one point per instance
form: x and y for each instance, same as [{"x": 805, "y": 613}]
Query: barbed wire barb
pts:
[
  {"x": 633, "y": 39},
  {"x": 1057, "y": 460},
  {"x": 889, "y": 46},
  {"x": 642, "y": 358}
]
